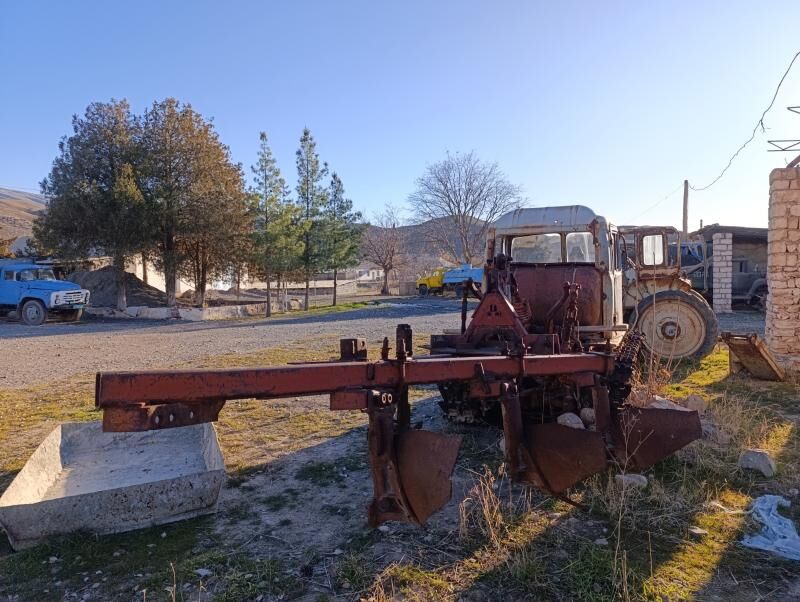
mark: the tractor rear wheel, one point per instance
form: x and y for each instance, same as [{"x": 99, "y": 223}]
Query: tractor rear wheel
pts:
[{"x": 677, "y": 324}]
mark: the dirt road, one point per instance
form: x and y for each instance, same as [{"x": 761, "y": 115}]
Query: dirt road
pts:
[{"x": 33, "y": 355}]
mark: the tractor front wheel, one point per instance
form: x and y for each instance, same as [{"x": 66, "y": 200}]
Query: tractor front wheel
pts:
[{"x": 677, "y": 324}]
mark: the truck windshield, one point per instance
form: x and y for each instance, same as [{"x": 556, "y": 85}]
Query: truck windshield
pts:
[
  {"x": 547, "y": 248},
  {"x": 38, "y": 274}
]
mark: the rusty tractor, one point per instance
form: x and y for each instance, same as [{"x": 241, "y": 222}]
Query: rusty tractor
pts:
[
  {"x": 517, "y": 362},
  {"x": 658, "y": 297}
]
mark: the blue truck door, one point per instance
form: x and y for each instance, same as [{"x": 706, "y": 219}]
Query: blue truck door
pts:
[{"x": 9, "y": 288}]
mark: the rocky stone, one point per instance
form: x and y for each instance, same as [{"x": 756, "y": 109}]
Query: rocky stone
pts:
[
  {"x": 383, "y": 528},
  {"x": 571, "y": 420},
  {"x": 202, "y": 573},
  {"x": 631, "y": 480},
  {"x": 758, "y": 460},
  {"x": 601, "y": 541},
  {"x": 696, "y": 403},
  {"x": 662, "y": 403},
  {"x": 697, "y": 531},
  {"x": 587, "y": 416}
]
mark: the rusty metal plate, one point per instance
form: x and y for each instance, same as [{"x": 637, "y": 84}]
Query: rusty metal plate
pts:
[
  {"x": 425, "y": 462},
  {"x": 643, "y": 436},
  {"x": 542, "y": 286},
  {"x": 561, "y": 456},
  {"x": 754, "y": 355}
]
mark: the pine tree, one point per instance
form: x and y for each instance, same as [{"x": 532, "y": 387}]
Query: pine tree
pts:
[
  {"x": 341, "y": 231},
  {"x": 312, "y": 198},
  {"x": 279, "y": 234}
]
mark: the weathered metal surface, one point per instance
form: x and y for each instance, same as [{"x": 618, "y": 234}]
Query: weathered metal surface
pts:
[
  {"x": 561, "y": 456},
  {"x": 425, "y": 463},
  {"x": 202, "y": 386},
  {"x": 753, "y": 355},
  {"x": 542, "y": 286},
  {"x": 643, "y": 436}
]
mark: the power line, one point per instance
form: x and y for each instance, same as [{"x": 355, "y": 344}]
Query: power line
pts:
[
  {"x": 657, "y": 203},
  {"x": 759, "y": 124}
]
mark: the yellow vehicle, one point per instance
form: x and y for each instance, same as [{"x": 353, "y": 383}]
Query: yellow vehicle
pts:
[{"x": 431, "y": 284}]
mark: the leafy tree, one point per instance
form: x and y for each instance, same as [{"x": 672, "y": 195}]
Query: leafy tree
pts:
[
  {"x": 312, "y": 198},
  {"x": 218, "y": 221},
  {"x": 384, "y": 244},
  {"x": 193, "y": 191},
  {"x": 278, "y": 244},
  {"x": 461, "y": 196},
  {"x": 95, "y": 203},
  {"x": 341, "y": 231}
]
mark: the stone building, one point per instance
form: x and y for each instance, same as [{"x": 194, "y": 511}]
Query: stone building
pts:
[{"x": 783, "y": 266}]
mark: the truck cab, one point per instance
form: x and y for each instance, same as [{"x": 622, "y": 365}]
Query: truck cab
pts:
[{"x": 32, "y": 292}]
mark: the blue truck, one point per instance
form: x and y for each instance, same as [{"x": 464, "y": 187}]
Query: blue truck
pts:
[
  {"x": 32, "y": 292},
  {"x": 442, "y": 280}
]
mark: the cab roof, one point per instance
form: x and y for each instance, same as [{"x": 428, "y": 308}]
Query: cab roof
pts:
[
  {"x": 21, "y": 266},
  {"x": 560, "y": 218}
]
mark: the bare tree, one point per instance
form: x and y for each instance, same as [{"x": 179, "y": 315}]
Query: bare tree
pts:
[
  {"x": 462, "y": 195},
  {"x": 383, "y": 243}
]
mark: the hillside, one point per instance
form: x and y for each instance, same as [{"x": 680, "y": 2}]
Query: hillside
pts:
[{"x": 17, "y": 211}]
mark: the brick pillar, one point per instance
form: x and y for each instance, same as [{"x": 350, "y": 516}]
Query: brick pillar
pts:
[
  {"x": 783, "y": 266},
  {"x": 722, "y": 274}
]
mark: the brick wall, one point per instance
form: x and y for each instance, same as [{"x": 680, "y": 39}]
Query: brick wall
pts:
[
  {"x": 783, "y": 266},
  {"x": 722, "y": 272}
]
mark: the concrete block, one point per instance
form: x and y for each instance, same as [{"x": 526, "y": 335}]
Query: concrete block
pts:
[{"x": 82, "y": 479}]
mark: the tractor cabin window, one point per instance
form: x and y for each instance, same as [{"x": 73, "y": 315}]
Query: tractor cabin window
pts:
[
  {"x": 653, "y": 249},
  {"x": 580, "y": 247},
  {"x": 8, "y": 275},
  {"x": 536, "y": 248},
  {"x": 548, "y": 248}
]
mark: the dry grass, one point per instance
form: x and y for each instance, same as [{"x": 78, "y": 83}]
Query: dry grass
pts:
[{"x": 511, "y": 543}]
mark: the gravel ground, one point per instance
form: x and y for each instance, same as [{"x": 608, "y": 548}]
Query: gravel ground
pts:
[
  {"x": 35, "y": 355},
  {"x": 742, "y": 322}
]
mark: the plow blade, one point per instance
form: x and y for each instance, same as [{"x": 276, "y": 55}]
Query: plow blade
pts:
[
  {"x": 643, "y": 436},
  {"x": 560, "y": 457},
  {"x": 425, "y": 462}
]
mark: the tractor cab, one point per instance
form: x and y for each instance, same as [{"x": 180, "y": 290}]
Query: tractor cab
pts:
[{"x": 548, "y": 247}]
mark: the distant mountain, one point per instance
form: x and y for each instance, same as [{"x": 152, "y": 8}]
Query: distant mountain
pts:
[{"x": 18, "y": 209}]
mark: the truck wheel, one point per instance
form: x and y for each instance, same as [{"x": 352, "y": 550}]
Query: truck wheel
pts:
[
  {"x": 33, "y": 312},
  {"x": 74, "y": 315},
  {"x": 423, "y": 290},
  {"x": 677, "y": 324},
  {"x": 759, "y": 299}
]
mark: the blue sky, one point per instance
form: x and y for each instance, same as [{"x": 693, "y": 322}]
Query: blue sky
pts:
[{"x": 608, "y": 104}]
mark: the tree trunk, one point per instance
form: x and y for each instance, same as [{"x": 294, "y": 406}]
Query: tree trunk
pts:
[
  {"x": 144, "y": 268},
  {"x": 268, "y": 313},
  {"x": 170, "y": 270},
  {"x": 308, "y": 284},
  {"x": 201, "y": 287},
  {"x": 335, "y": 280},
  {"x": 385, "y": 289},
  {"x": 122, "y": 293}
]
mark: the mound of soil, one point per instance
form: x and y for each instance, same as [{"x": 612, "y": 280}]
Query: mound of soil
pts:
[{"x": 102, "y": 284}]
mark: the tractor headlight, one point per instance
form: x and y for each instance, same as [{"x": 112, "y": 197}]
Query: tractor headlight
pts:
[{"x": 56, "y": 299}]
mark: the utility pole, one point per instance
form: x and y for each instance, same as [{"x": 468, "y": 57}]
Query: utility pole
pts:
[{"x": 685, "y": 209}]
